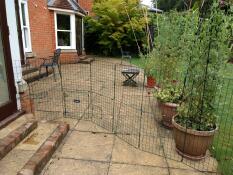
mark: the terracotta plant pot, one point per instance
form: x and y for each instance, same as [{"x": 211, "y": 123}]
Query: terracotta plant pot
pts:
[
  {"x": 151, "y": 82},
  {"x": 192, "y": 144},
  {"x": 168, "y": 111}
]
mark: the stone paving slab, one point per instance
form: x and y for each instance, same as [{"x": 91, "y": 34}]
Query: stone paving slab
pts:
[
  {"x": 88, "y": 146},
  {"x": 14, "y": 161},
  {"x": 88, "y": 153},
  {"x": 90, "y": 127},
  {"x": 184, "y": 172},
  {"x": 178, "y": 165},
  {"x": 70, "y": 121},
  {"x": 75, "y": 167},
  {"x": 123, "y": 169},
  {"x": 157, "y": 145},
  {"x": 124, "y": 153},
  {"x": 131, "y": 139}
]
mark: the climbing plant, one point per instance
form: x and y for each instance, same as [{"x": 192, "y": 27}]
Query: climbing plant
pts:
[
  {"x": 168, "y": 46},
  {"x": 207, "y": 50}
]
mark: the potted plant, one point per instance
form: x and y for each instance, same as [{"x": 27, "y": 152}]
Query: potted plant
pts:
[
  {"x": 150, "y": 72},
  {"x": 168, "y": 100},
  {"x": 196, "y": 122},
  {"x": 151, "y": 81},
  {"x": 167, "y": 50},
  {"x": 149, "y": 65}
]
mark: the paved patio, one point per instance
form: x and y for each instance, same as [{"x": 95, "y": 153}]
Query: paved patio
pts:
[
  {"x": 94, "y": 95},
  {"x": 92, "y": 150}
]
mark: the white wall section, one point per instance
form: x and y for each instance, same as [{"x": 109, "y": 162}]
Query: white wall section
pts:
[{"x": 14, "y": 42}]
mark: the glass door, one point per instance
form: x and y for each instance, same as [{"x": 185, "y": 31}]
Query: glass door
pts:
[
  {"x": 4, "y": 92},
  {"x": 7, "y": 87}
]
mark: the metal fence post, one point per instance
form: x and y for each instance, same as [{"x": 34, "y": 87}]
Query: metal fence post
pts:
[
  {"x": 114, "y": 98},
  {"x": 63, "y": 92},
  {"x": 142, "y": 99},
  {"x": 91, "y": 93}
]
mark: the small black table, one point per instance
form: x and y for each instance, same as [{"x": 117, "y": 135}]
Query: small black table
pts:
[{"x": 130, "y": 74}]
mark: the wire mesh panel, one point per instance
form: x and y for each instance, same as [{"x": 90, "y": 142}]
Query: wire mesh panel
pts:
[
  {"x": 102, "y": 111},
  {"x": 76, "y": 104},
  {"x": 223, "y": 143},
  {"x": 132, "y": 113},
  {"x": 45, "y": 89},
  {"x": 100, "y": 92},
  {"x": 48, "y": 101}
]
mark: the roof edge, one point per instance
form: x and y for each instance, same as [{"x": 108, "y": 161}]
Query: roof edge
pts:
[{"x": 74, "y": 5}]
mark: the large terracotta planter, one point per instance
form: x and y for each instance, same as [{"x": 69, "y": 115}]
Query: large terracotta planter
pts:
[
  {"x": 168, "y": 111},
  {"x": 151, "y": 82},
  {"x": 192, "y": 144}
]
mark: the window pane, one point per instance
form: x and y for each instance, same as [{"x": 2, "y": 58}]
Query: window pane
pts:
[
  {"x": 63, "y": 38},
  {"x": 63, "y": 22},
  {"x": 4, "y": 93},
  {"x": 23, "y": 14},
  {"x": 26, "y": 38}
]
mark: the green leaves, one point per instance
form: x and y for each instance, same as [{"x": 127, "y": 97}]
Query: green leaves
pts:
[
  {"x": 201, "y": 46},
  {"x": 179, "y": 5},
  {"x": 168, "y": 46},
  {"x": 111, "y": 28},
  {"x": 169, "y": 94},
  {"x": 207, "y": 50}
]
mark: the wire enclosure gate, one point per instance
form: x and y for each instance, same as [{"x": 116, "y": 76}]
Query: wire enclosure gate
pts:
[{"x": 95, "y": 92}]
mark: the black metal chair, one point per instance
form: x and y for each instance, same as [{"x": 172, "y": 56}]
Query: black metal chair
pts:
[{"x": 52, "y": 62}]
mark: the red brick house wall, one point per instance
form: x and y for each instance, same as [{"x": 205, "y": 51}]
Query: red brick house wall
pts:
[
  {"x": 87, "y": 5},
  {"x": 42, "y": 29}
]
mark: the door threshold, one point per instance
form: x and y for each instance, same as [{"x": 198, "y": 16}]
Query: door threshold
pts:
[{"x": 10, "y": 119}]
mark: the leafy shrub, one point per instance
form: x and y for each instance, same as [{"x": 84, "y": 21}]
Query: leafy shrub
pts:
[
  {"x": 170, "y": 94},
  {"x": 111, "y": 27}
]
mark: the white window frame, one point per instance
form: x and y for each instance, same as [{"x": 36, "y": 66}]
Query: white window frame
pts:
[
  {"x": 27, "y": 26},
  {"x": 83, "y": 36},
  {"x": 72, "y": 31}
]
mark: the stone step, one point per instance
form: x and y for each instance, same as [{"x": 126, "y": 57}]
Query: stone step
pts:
[
  {"x": 86, "y": 61},
  {"x": 10, "y": 119},
  {"x": 29, "y": 70},
  {"x": 32, "y": 154},
  {"x": 82, "y": 57},
  {"x": 34, "y": 76},
  {"x": 41, "y": 157},
  {"x": 12, "y": 136}
]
